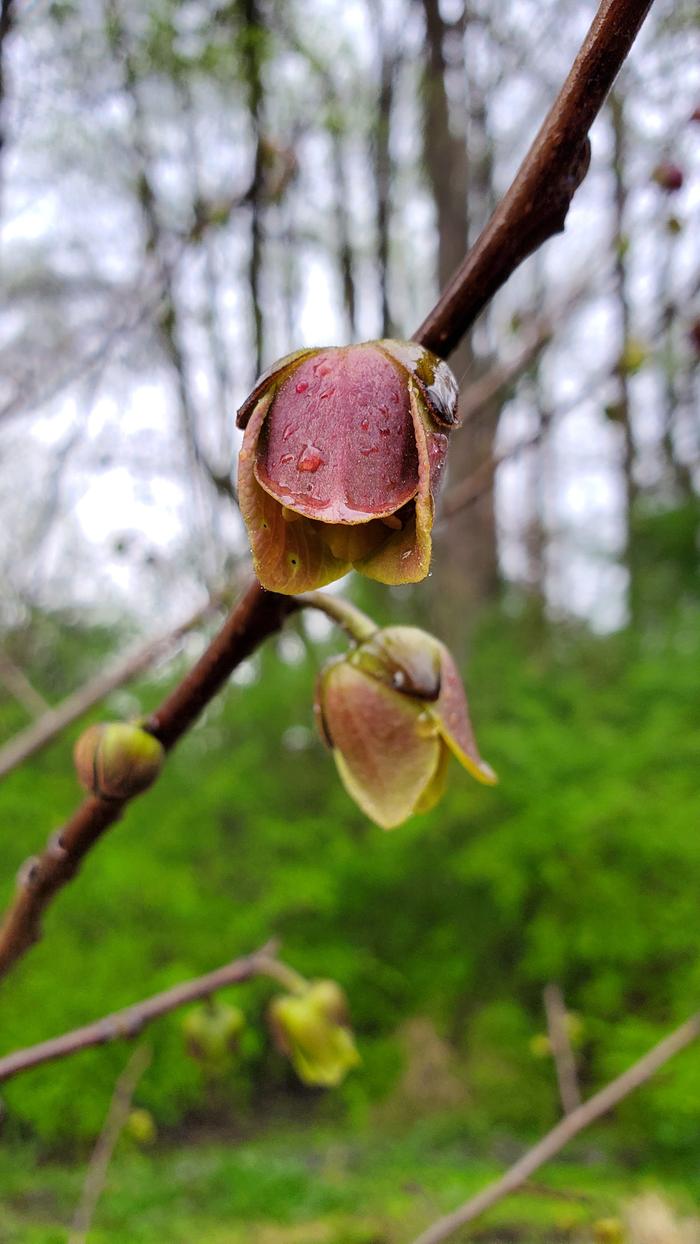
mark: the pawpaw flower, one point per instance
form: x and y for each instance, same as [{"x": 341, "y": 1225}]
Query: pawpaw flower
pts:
[
  {"x": 394, "y": 710},
  {"x": 341, "y": 462},
  {"x": 312, "y": 1029}
]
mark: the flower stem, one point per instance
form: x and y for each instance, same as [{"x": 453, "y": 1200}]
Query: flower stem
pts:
[
  {"x": 267, "y": 965},
  {"x": 354, "y": 622}
]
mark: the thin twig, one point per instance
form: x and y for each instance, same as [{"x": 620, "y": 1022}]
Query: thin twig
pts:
[
  {"x": 536, "y": 205},
  {"x": 562, "y": 1052},
  {"x": 128, "y": 1023},
  {"x": 30, "y": 741},
  {"x": 117, "y": 1114},
  {"x": 570, "y": 1126},
  {"x": 20, "y": 687}
]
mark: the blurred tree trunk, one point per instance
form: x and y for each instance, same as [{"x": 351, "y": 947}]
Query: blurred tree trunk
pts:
[
  {"x": 622, "y": 410},
  {"x": 383, "y": 168},
  {"x": 253, "y": 55},
  {"x": 466, "y": 557},
  {"x": 6, "y": 17}
]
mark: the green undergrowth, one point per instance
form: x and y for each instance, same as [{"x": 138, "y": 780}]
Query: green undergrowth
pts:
[
  {"x": 582, "y": 866},
  {"x": 310, "y": 1188}
]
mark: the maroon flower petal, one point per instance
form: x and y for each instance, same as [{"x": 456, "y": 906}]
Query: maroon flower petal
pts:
[
  {"x": 385, "y": 758},
  {"x": 452, "y": 714},
  {"x": 339, "y": 444},
  {"x": 272, "y": 375},
  {"x": 405, "y": 557},
  {"x": 288, "y": 556}
]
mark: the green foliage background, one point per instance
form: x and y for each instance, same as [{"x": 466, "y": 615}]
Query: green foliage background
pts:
[{"x": 583, "y": 866}]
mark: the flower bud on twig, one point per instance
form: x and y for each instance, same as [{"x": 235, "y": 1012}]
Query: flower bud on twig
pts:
[
  {"x": 311, "y": 1029},
  {"x": 117, "y": 760},
  {"x": 212, "y": 1033}
]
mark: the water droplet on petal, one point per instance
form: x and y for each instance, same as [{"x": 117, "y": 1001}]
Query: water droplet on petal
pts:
[
  {"x": 302, "y": 386},
  {"x": 369, "y": 449},
  {"x": 286, "y": 458},
  {"x": 288, "y": 431},
  {"x": 398, "y": 679},
  {"x": 309, "y": 459},
  {"x": 325, "y": 369},
  {"x": 426, "y": 726},
  {"x": 365, "y": 425}
]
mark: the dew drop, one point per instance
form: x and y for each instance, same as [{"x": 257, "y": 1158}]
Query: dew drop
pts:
[
  {"x": 327, "y": 393},
  {"x": 286, "y": 458},
  {"x": 398, "y": 679},
  {"x": 365, "y": 425},
  {"x": 302, "y": 386},
  {"x": 309, "y": 459},
  {"x": 426, "y": 726},
  {"x": 325, "y": 369},
  {"x": 369, "y": 449},
  {"x": 288, "y": 431}
]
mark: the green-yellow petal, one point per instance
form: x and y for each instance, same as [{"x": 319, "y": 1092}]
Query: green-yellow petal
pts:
[
  {"x": 384, "y": 758},
  {"x": 288, "y": 557}
]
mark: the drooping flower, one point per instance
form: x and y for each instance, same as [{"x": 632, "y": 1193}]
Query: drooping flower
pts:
[
  {"x": 393, "y": 710},
  {"x": 312, "y": 1029},
  {"x": 341, "y": 461},
  {"x": 212, "y": 1032}
]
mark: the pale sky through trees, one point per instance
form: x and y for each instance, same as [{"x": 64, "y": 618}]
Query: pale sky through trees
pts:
[{"x": 101, "y": 495}]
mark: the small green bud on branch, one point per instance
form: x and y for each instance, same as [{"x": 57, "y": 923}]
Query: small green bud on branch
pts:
[{"x": 117, "y": 760}]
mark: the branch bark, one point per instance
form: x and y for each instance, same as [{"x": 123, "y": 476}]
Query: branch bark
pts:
[
  {"x": 130, "y": 1022},
  {"x": 570, "y": 1126},
  {"x": 257, "y": 615},
  {"x": 536, "y": 205}
]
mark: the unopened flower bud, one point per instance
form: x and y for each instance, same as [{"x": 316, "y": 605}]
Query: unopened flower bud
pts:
[
  {"x": 341, "y": 461},
  {"x": 311, "y": 1029},
  {"x": 212, "y": 1033},
  {"x": 393, "y": 710},
  {"x": 140, "y": 1126},
  {"x": 668, "y": 176},
  {"x": 117, "y": 760}
]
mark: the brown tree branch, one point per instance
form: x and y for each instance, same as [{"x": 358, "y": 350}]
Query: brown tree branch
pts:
[
  {"x": 30, "y": 741},
  {"x": 570, "y": 1126},
  {"x": 257, "y": 615},
  {"x": 536, "y": 205},
  {"x": 130, "y": 1022}
]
